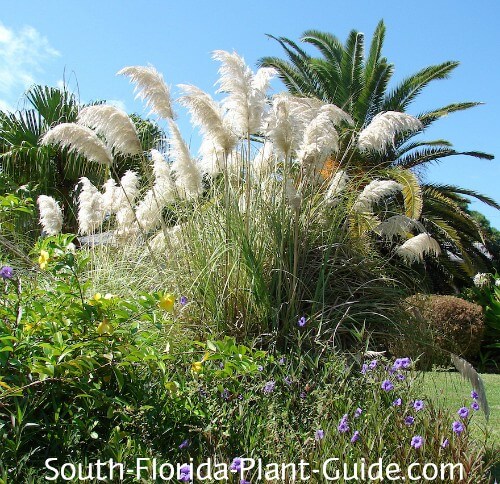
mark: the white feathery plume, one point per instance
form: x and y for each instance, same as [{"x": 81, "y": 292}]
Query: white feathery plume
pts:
[
  {"x": 336, "y": 115},
  {"x": 158, "y": 243},
  {"x": 212, "y": 160},
  {"x": 91, "y": 210},
  {"x": 398, "y": 225},
  {"x": 336, "y": 186},
  {"x": 169, "y": 238},
  {"x": 284, "y": 123},
  {"x": 51, "y": 217},
  {"x": 292, "y": 195},
  {"x": 188, "y": 175},
  {"x": 414, "y": 249},
  {"x": 207, "y": 115},
  {"x": 384, "y": 127},
  {"x": 149, "y": 210},
  {"x": 109, "y": 197},
  {"x": 305, "y": 109},
  {"x": 211, "y": 157},
  {"x": 126, "y": 195},
  {"x": 263, "y": 163},
  {"x": 79, "y": 139},
  {"x": 320, "y": 139},
  {"x": 246, "y": 98},
  {"x": 375, "y": 191},
  {"x": 115, "y": 125},
  {"x": 164, "y": 186},
  {"x": 128, "y": 190},
  {"x": 150, "y": 87}
]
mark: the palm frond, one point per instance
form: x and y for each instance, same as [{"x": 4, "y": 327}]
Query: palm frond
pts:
[
  {"x": 412, "y": 193},
  {"x": 408, "y": 89},
  {"x": 330, "y": 47},
  {"x": 429, "y": 117},
  {"x": 433, "y": 154}
]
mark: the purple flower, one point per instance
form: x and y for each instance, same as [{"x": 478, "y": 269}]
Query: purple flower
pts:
[
  {"x": 225, "y": 394},
  {"x": 282, "y": 360},
  {"x": 6, "y": 272},
  {"x": 236, "y": 464},
  {"x": 184, "y": 444},
  {"x": 287, "y": 380},
  {"x": 474, "y": 395},
  {"x": 457, "y": 427},
  {"x": 269, "y": 387},
  {"x": 417, "y": 441},
  {"x": 355, "y": 437},
  {"x": 397, "y": 402},
  {"x": 373, "y": 364},
  {"x": 400, "y": 377},
  {"x": 409, "y": 420},
  {"x": 398, "y": 364},
  {"x": 244, "y": 481},
  {"x": 260, "y": 368},
  {"x": 387, "y": 385},
  {"x": 463, "y": 412},
  {"x": 358, "y": 412},
  {"x": 445, "y": 443},
  {"x": 474, "y": 406},
  {"x": 319, "y": 434},
  {"x": 183, "y": 300},
  {"x": 302, "y": 321},
  {"x": 185, "y": 473},
  {"x": 343, "y": 426},
  {"x": 364, "y": 368},
  {"x": 418, "y": 405},
  {"x": 406, "y": 362},
  {"x": 303, "y": 395}
]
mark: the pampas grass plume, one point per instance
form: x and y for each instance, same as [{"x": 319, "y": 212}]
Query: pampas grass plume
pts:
[{"x": 51, "y": 217}]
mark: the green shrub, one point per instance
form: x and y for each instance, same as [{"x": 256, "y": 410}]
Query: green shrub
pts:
[{"x": 437, "y": 326}]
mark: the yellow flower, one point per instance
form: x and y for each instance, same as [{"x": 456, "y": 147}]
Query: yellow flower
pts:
[
  {"x": 104, "y": 327},
  {"x": 167, "y": 302},
  {"x": 197, "y": 366},
  {"x": 95, "y": 299},
  {"x": 43, "y": 259}
]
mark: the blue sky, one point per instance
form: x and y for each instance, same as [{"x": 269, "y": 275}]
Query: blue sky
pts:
[{"x": 86, "y": 43}]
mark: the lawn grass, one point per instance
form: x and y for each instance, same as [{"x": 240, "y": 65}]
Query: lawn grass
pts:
[{"x": 454, "y": 392}]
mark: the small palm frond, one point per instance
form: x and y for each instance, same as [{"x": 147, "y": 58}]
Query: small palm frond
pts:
[
  {"x": 470, "y": 193},
  {"x": 351, "y": 68},
  {"x": 290, "y": 75},
  {"x": 54, "y": 105},
  {"x": 411, "y": 145},
  {"x": 429, "y": 117},
  {"x": 412, "y": 192},
  {"x": 330, "y": 47},
  {"x": 433, "y": 154},
  {"x": 408, "y": 89}
]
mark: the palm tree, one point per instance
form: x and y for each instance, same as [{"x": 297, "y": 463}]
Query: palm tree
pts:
[{"x": 359, "y": 84}]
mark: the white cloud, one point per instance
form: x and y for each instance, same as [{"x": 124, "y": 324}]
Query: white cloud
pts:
[{"x": 22, "y": 56}]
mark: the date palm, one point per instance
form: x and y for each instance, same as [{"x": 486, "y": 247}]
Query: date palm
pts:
[{"x": 359, "y": 83}]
